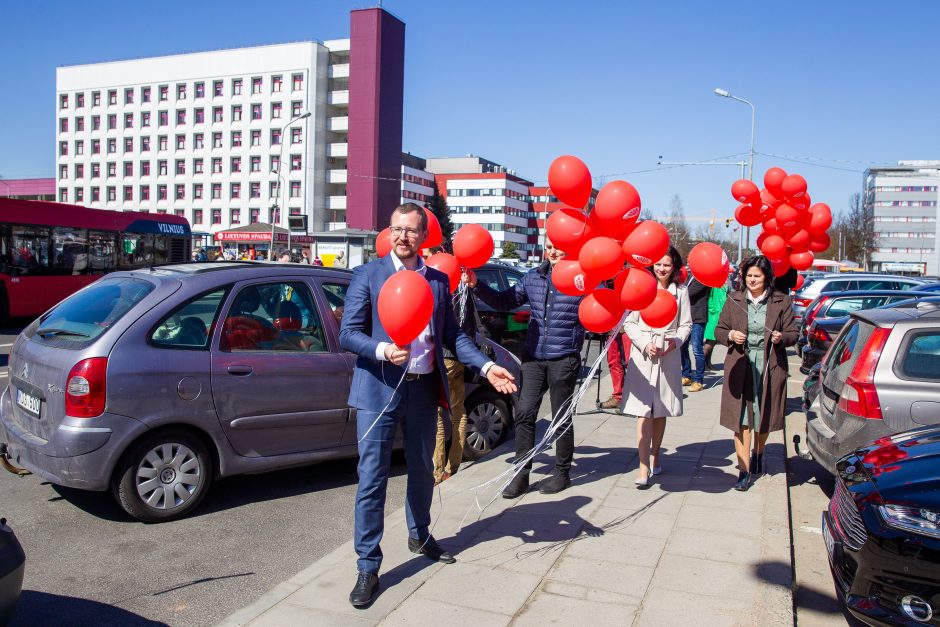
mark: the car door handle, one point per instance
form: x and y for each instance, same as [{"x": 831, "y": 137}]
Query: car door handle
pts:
[{"x": 240, "y": 371}]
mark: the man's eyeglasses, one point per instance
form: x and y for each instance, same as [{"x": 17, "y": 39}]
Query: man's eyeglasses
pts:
[{"x": 398, "y": 230}]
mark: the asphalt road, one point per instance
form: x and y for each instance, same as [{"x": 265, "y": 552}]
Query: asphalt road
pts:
[{"x": 90, "y": 563}]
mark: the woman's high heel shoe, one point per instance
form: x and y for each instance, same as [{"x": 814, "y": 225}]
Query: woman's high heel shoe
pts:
[
  {"x": 643, "y": 484},
  {"x": 744, "y": 481}
]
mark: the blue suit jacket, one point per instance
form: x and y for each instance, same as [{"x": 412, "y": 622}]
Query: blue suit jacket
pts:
[{"x": 361, "y": 331}]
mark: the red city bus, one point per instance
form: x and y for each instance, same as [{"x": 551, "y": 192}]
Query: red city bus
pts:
[{"x": 49, "y": 250}]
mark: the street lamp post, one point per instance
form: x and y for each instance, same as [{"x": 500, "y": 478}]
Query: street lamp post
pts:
[
  {"x": 275, "y": 209},
  {"x": 724, "y": 93}
]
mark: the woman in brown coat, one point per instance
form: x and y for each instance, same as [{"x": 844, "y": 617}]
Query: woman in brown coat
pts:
[{"x": 756, "y": 324}]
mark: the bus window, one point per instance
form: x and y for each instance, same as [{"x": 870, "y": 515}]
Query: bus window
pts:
[
  {"x": 136, "y": 250},
  {"x": 101, "y": 256},
  {"x": 29, "y": 249},
  {"x": 161, "y": 245},
  {"x": 69, "y": 251}
]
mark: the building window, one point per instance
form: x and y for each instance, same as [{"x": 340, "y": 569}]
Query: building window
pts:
[
  {"x": 217, "y": 165},
  {"x": 95, "y": 170},
  {"x": 255, "y": 138},
  {"x": 181, "y": 91},
  {"x": 128, "y": 193},
  {"x": 295, "y": 189},
  {"x": 144, "y": 191},
  {"x": 216, "y": 191},
  {"x": 111, "y": 194},
  {"x": 181, "y": 166},
  {"x": 256, "y": 85},
  {"x": 236, "y": 165},
  {"x": 112, "y": 169},
  {"x": 112, "y": 122},
  {"x": 112, "y": 146},
  {"x": 198, "y": 141},
  {"x": 79, "y": 194},
  {"x": 161, "y": 192},
  {"x": 145, "y": 144},
  {"x": 197, "y": 191},
  {"x": 164, "y": 93},
  {"x": 235, "y": 190},
  {"x": 96, "y": 146},
  {"x": 236, "y": 87},
  {"x": 197, "y": 216},
  {"x": 79, "y": 101},
  {"x": 181, "y": 116},
  {"x": 236, "y": 139},
  {"x": 96, "y": 122},
  {"x": 128, "y": 168},
  {"x": 145, "y": 168},
  {"x": 255, "y": 164},
  {"x": 200, "y": 89},
  {"x": 236, "y": 113},
  {"x": 95, "y": 194},
  {"x": 276, "y": 110},
  {"x": 112, "y": 97},
  {"x": 296, "y": 134},
  {"x": 145, "y": 94},
  {"x": 145, "y": 119},
  {"x": 297, "y": 82},
  {"x": 216, "y": 114},
  {"x": 276, "y": 82},
  {"x": 163, "y": 118},
  {"x": 63, "y": 125},
  {"x": 296, "y": 107},
  {"x": 181, "y": 192},
  {"x": 216, "y": 216},
  {"x": 199, "y": 116},
  {"x": 181, "y": 142},
  {"x": 129, "y": 95},
  {"x": 295, "y": 162},
  {"x": 275, "y": 164},
  {"x": 235, "y": 216},
  {"x": 79, "y": 124},
  {"x": 275, "y": 137},
  {"x": 256, "y": 112},
  {"x": 216, "y": 88},
  {"x": 96, "y": 98},
  {"x": 272, "y": 189},
  {"x": 254, "y": 190},
  {"x": 79, "y": 170},
  {"x": 63, "y": 171},
  {"x": 63, "y": 194},
  {"x": 197, "y": 166},
  {"x": 128, "y": 144},
  {"x": 128, "y": 120},
  {"x": 64, "y": 104},
  {"x": 161, "y": 167},
  {"x": 217, "y": 140}
]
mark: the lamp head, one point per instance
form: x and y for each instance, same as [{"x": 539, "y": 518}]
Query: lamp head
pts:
[{"x": 724, "y": 93}]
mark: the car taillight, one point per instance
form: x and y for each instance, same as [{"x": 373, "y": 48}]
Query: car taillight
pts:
[
  {"x": 85, "y": 388},
  {"x": 802, "y": 302},
  {"x": 859, "y": 396},
  {"x": 811, "y": 314},
  {"x": 819, "y": 335}
]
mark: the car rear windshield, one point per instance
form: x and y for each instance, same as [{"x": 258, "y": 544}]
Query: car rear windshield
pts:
[
  {"x": 87, "y": 314},
  {"x": 845, "y": 352}
]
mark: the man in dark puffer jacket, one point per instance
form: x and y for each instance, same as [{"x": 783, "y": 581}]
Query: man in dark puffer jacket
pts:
[{"x": 550, "y": 361}]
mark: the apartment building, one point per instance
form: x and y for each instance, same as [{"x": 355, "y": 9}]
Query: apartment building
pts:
[
  {"x": 903, "y": 200},
  {"x": 234, "y": 137}
]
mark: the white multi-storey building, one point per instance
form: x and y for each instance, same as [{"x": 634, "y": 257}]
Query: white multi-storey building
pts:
[
  {"x": 226, "y": 137},
  {"x": 903, "y": 200}
]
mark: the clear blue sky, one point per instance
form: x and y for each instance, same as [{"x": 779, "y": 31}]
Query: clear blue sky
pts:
[{"x": 836, "y": 84}]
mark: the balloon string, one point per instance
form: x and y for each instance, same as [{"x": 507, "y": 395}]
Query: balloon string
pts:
[
  {"x": 384, "y": 409},
  {"x": 462, "y": 294}
]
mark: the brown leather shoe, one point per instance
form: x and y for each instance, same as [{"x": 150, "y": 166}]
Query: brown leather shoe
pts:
[
  {"x": 611, "y": 403},
  {"x": 696, "y": 387},
  {"x": 686, "y": 382}
]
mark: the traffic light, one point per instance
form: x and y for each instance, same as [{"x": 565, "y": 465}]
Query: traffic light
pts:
[{"x": 727, "y": 222}]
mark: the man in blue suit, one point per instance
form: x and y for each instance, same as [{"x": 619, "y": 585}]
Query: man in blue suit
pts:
[{"x": 380, "y": 407}]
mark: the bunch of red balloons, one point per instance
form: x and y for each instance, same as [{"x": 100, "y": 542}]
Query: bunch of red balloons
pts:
[
  {"x": 609, "y": 243},
  {"x": 793, "y": 228}
]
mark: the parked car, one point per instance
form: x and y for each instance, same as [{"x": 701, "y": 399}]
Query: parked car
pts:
[
  {"x": 829, "y": 283},
  {"x": 930, "y": 287},
  {"x": 839, "y": 305},
  {"x": 155, "y": 382},
  {"x": 12, "y": 565},
  {"x": 507, "y": 328},
  {"x": 882, "y": 529},
  {"x": 879, "y": 378}
]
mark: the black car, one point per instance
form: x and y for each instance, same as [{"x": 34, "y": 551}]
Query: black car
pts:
[
  {"x": 507, "y": 328},
  {"x": 882, "y": 529}
]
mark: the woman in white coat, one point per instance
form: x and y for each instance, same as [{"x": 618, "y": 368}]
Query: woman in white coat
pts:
[{"x": 653, "y": 386}]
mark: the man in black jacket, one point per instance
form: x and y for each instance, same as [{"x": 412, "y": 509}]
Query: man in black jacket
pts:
[
  {"x": 693, "y": 377},
  {"x": 551, "y": 361}
]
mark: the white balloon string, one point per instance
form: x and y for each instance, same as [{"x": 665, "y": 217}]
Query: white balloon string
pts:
[
  {"x": 462, "y": 294},
  {"x": 384, "y": 409}
]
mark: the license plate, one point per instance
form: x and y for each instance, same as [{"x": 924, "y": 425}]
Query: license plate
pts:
[
  {"x": 28, "y": 402},
  {"x": 827, "y": 538}
]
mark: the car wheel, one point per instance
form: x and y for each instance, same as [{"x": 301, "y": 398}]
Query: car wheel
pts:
[
  {"x": 164, "y": 476},
  {"x": 488, "y": 420}
]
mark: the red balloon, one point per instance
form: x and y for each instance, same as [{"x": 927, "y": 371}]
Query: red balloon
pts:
[
  {"x": 600, "y": 311},
  {"x": 799, "y": 241},
  {"x": 683, "y": 276},
  {"x": 773, "y": 179},
  {"x": 638, "y": 289},
  {"x": 774, "y": 247},
  {"x": 820, "y": 242},
  {"x": 473, "y": 245},
  {"x": 802, "y": 203},
  {"x": 661, "y": 311},
  {"x": 780, "y": 266},
  {"x": 802, "y": 261},
  {"x": 405, "y": 305},
  {"x": 568, "y": 229},
  {"x": 770, "y": 226},
  {"x": 793, "y": 186},
  {"x": 709, "y": 264},
  {"x": 745, "y": 191},
  {"x": 616, "y": 208},
  {"x": 800, "y": 280},
  {"x": 570, "y": 181},
  {"x": 435, "y": 236},
  {"x": 647, "y": 244},
  {"x": 748, "y": 215},
  {"x": 820, "y": 218},
  {"x": 761, "y": 237},
  {"x": 617, "y": 231},
  {"x": 787, "y": 217},
  {"x": 571, "y": 279},
  {"x": 601, "y": 257},
  {"x": 447, "y": 264},
  {"x": 383, "y": 243}
]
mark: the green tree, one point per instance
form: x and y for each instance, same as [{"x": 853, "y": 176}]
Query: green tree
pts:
[
  {"x": 509, "y": 251},
  {"x": 441, "y": 211}
]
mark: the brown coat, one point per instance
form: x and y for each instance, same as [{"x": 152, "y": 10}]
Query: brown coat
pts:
[{"x": 737, "y": 373}]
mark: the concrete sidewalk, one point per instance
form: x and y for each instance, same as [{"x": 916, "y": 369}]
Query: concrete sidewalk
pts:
[{"x": 688, "y": 550}]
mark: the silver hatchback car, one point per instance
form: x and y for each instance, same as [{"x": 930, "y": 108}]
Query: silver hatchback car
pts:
[
  {"x": 155, "y": 382},
  {"x": 878, "y": 378}
]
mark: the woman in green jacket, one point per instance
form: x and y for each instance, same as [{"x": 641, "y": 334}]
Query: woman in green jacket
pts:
[{"x": 716, "y": 300}]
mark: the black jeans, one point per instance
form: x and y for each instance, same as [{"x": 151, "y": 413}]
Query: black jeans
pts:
[{"x": 558, "y": 377}]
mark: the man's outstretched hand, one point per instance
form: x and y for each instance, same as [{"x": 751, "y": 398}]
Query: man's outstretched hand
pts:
[{"x": 501, "y": 379}]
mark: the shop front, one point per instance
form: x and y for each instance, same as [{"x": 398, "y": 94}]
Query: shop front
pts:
[{"x": 253, "y": 241}]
